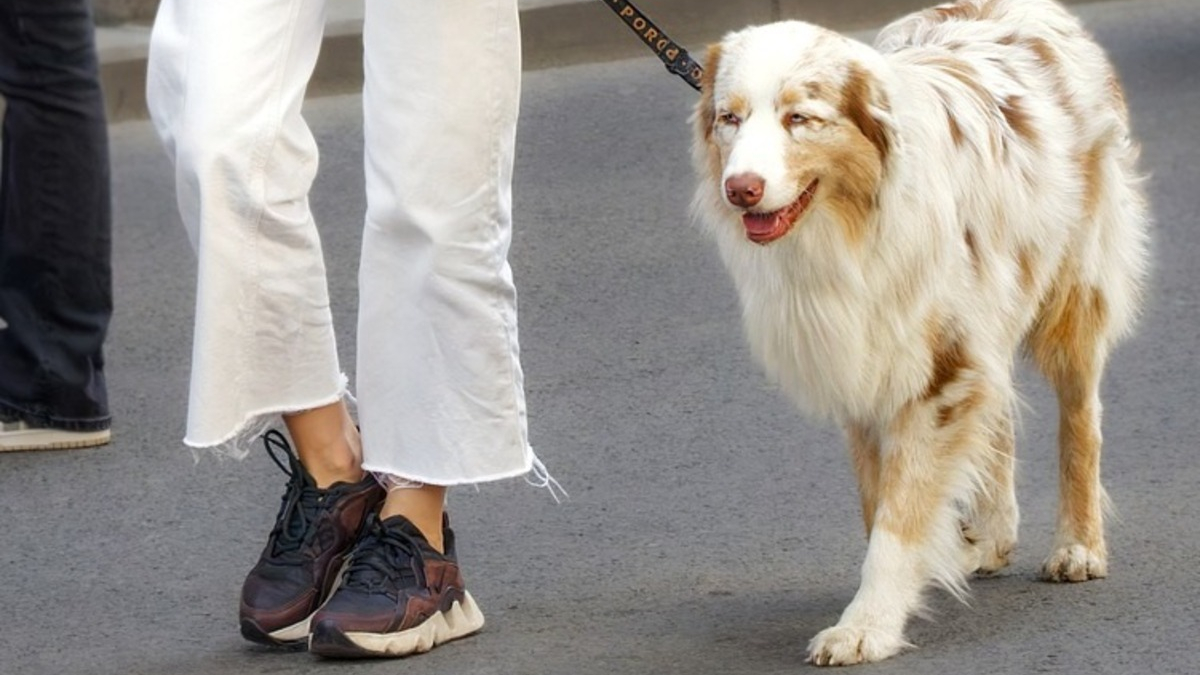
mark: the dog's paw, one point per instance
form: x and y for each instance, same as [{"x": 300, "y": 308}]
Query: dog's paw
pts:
[
  {"x": 983, "y": 555},
  {"x": 987, "y": 558},
  {"x": 1075, "y": 562},
  {"x": 848, "y": 645}
]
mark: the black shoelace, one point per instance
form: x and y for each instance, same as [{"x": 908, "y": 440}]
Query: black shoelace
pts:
[
  {"x": 296, "y": 523},
  {"x": 383, "y": 559}
]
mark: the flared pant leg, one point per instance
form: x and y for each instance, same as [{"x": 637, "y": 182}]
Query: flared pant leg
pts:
[
  {"x": 440, "y": 387},
  {"x": 226, "y": 83}
]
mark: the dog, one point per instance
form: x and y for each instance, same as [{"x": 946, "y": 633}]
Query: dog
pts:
[{"x": 901, "y": 222}]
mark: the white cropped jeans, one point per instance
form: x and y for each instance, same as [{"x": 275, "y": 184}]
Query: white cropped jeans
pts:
[{"x": 439, "y": 382}]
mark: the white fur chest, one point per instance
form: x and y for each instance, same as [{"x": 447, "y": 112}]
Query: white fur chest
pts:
[{"x": 824, "y": 327}]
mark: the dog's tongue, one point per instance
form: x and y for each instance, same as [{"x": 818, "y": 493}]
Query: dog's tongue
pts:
[{"x": 762, "y": 227}]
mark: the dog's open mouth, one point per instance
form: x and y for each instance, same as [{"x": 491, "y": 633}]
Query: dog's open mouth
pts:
[{"x": 764, "y": 228}]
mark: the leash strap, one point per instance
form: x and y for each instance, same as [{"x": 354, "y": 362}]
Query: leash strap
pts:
[{"x": 676, "y": 58}]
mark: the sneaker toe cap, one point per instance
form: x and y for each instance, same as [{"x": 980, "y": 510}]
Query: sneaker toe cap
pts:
[{"x": 358, "y": 613}]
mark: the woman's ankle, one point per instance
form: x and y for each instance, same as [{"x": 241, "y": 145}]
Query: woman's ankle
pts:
[
  {"x": 423, "y": 506},
  {"x": 327, "y": 443}
]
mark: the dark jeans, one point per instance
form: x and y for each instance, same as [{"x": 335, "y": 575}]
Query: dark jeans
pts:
[{"x": 55, "y": 217}]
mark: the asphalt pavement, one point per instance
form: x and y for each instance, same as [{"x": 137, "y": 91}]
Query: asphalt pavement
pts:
[{"x": 710, "y": 528}]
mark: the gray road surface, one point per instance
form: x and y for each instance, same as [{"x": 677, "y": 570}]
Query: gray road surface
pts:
[{"x": 710, "y": 529}]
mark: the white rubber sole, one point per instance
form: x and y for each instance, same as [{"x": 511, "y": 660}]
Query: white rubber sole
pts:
[
  {"x": 18, "y": 436},
  {"x": 461, "y": 620},
  {"x": 294, "y": 633}
]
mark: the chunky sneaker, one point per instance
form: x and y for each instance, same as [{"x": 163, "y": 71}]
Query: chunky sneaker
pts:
[
  {"x": 313, "y": 533},
  {"x": 398, "y": 596},
  {"x": 17, "y": 434}
]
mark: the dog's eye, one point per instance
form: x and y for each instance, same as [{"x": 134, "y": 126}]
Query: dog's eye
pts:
[
  {"x": 729, "y": 119},
  {"x": 798, "y": 119}
]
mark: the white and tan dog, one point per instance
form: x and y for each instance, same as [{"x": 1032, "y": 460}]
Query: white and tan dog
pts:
[{"x": 898, "y": 221}]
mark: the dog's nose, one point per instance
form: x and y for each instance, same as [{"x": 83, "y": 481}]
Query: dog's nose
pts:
[{"x": 745, "y": 189}]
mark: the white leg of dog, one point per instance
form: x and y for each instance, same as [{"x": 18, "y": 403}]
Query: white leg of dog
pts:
[
  {"x": 915, "y": 538},
  {"x": 872, "y": 626}
]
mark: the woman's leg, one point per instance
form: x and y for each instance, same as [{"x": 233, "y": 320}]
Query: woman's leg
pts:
[
  {"x": 441, "y": 397},
  {"x": 439, "y": 379},
  {"x": 226, "y": 83}
]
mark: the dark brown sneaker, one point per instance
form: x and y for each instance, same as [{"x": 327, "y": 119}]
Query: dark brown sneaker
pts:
[
  {"x": 313, "y": 533},
  {"x": 398, "y": 596}
]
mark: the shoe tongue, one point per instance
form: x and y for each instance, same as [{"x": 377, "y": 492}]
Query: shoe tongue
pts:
[{"x": 381, "y": 558}]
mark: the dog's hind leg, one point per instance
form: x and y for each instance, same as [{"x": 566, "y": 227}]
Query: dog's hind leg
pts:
[
  {"x": 990, "y": 526},
  {"x": 1092, "y": 301},
  {"x": 1068, "y": 342}
]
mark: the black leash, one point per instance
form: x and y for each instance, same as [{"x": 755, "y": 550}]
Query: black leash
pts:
[{"x": 675, "y": 57}]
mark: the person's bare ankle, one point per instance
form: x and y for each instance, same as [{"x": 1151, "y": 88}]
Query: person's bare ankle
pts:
[
  {"x": 423, "y": 506},
  {"x": 327, "y": 443},
  {"x": 334, "y": 464}
]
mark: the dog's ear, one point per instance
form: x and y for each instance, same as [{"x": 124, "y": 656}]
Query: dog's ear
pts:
[
  {"x": 706, "y": 112},
  {"x": 866, "y": 103}
]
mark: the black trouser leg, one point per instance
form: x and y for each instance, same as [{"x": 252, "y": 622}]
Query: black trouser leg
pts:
[{"x": 55, "y": 217}]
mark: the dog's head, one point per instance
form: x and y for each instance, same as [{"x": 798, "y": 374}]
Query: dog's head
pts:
[{"x": 793, "y": 122}]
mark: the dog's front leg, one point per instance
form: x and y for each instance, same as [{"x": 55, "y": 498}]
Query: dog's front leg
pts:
[
  {"x": 914, "y": 539},
  {"x": 864, "y": 455}
]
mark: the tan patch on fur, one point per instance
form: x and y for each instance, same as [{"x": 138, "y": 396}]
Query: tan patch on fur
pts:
[
  {"x": 1019, "y": 120},
  {"x": 963, "y": 11},
  {"x": 948, "y": 363},
  {"x": 1063, "y": 337},
  {"x": 864, "y": 453},
  {"x": 911, "y": 483},
  {"x": 706, "y": 112},
  {"x": 799, "y": 94},
  {"x": 738, "y": 105},
  {"x": 1081, "y": 502},
  {"x": 856, "y": 101},
  {"x": 1025, "y": 264},
  {"x": 906, "y": 508},
  {"x": 853, "y": 193},
  {"x": 1065, "y": 345},
  {"x": 964, "y": 73},
  {"x": 1044, "y": 52},
  {"x": 853, "y": 196},
  {"x": 913, "y": 480},
  {"x": 1089, "y": 169},
  {"x": 960, "y": 12},
  {"x": 706, "y": 108},
  {"x": 972, "y": 249},
  {"x": 956, "y": 132},
  {"x": 1046, "y": 56},
  {"x": 951, "y": 413},
  {"x": 949, "y": 359}
]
